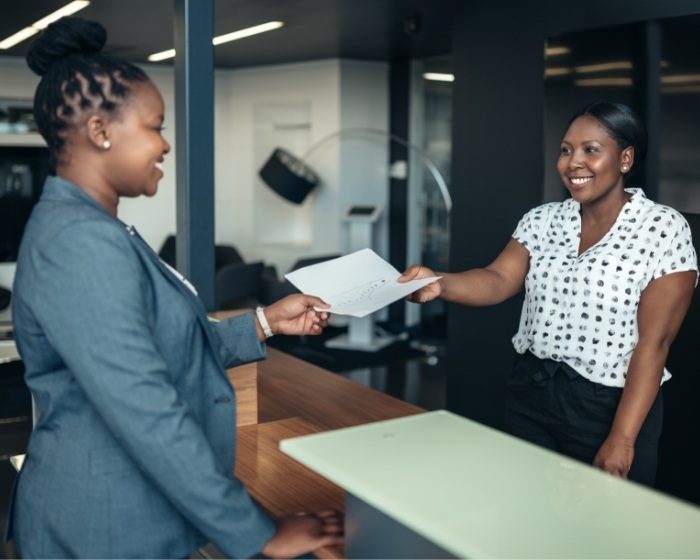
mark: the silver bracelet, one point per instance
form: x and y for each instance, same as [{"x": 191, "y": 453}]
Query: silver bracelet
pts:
[{"x": 263, "y": 322}]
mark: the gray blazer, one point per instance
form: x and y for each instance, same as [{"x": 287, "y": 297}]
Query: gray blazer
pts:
[{"x": 134, "y": 452}]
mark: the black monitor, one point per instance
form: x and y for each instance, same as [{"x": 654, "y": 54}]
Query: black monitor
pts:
[{"x": 22, "y": 174}]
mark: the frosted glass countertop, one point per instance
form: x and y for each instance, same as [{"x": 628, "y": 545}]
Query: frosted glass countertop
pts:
[{"x": 477, "y": 492}]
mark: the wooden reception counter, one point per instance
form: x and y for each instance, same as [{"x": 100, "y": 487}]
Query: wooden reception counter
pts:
[{"x": 296, "y": 398}]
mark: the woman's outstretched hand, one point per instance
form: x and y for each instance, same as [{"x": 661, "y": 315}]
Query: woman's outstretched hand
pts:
[
  {"x": 305, "y": 532},
  {"x": 427, "y": 293},
  {"x": 295, "y": 314}
]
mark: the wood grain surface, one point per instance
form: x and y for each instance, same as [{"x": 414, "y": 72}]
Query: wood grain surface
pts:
[
  {"x": 245, "y": 382},
  {"x": 296, "y": 398},
  {"x": 278, "y": 482},
  {"x": 289, "y": 387}
]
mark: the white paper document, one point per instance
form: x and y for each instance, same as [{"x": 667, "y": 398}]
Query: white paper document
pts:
[{"x": 357, "y": 284}]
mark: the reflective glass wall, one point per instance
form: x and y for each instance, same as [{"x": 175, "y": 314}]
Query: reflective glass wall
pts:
[{"x": 652, "y": 66}]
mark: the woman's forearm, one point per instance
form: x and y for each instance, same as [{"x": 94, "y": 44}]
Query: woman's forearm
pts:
[
  {"x": 492, "y": 284},
  {"x": 641, "y": 388},
  {"x": 477, "y": 287}
]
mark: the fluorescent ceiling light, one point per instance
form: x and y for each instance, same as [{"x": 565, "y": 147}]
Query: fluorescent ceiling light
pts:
[
  {"x": 243, "y": 33},
  {"x": 44, "y": 22},
  {"x": 604, "y": 67},
  {"x": 438, "y": 77},
  {"x": 18, "y": 37},
  {"x": 593, "y": 82},
  {"x": 67, "y": 10},
  {"x": 680, "y": 79},
  {"x": 556, "y": 51},
  {"x": 155, "y": 57},
  {"x": 557, "y": 71},
  {"x": 228, "y": 37}
]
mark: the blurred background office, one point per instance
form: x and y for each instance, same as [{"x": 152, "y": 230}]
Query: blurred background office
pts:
[{"x": 476, "y": 90}]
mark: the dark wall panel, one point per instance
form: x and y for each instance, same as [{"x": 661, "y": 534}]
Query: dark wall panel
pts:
[
  {"x": 496, "y": 178},
  {"x": 679, "y": 454}
]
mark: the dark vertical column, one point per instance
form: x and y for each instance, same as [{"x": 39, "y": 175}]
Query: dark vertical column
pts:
[
  {"x": 194, "y": 121},
  {"x": 647, "y": 80},
  {"x": 497, "y": 173},
  {"x": 399, "y": 99}
]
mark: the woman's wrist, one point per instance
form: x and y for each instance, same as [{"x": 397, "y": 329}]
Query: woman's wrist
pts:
[
  {"x": 264, "y": 327},
  {"x": 625, "y": 437},
  {"x": 443, "y": 283}
]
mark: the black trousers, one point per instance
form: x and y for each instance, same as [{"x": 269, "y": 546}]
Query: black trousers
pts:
[{"x": 551, "y": 405}]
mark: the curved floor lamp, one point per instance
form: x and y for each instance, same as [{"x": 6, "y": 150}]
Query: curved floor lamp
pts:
[{"x": 293, "y": 179}]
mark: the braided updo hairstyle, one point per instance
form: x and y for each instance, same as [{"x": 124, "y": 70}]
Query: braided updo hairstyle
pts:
[{"x": 75, "y": 78}]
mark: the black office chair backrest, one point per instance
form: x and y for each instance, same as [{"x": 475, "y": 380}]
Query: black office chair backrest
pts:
[
  {"x": 275, "y": 290},
  {"x": 223, "y": 254},
  {"x": 308, "y": 261},
  {"x": 226, "y": 254},
  {"x": 5, "y": 297},
  {"x": 238, "y": 285}
]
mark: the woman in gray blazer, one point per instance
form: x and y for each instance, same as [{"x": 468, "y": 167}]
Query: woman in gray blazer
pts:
[{"x": 134, "y": 452}]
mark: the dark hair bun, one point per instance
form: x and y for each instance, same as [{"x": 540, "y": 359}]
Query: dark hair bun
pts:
[
  {"x": 65, "y": 37},
  {"x": 621, "y": 122}
]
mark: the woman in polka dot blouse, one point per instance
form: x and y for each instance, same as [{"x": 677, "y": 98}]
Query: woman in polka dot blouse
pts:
[{"x": 608, "y": 277}]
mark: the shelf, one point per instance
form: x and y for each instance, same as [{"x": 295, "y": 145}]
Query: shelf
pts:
[{"x": 22, "y": 140}]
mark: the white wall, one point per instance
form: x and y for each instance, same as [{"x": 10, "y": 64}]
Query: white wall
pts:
[
  {"x": 337, "y": 94},
  {"x": 249, "y": 92},
  {"x": 310, "y": 101}
]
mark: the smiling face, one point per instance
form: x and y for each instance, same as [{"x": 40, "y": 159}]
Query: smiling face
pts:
[
  {"x": 591, "y": 164},
  {"x": 137, "y": 146}
]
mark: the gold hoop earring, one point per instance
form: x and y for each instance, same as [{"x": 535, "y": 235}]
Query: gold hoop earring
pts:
[{"x": 106, "y": 144}]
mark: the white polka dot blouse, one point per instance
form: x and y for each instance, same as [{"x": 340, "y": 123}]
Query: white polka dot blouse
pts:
[{"x": 582, "y": 309}]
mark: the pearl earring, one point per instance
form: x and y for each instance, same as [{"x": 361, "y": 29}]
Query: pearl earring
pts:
[
  {"x": 624, "y": 168},
  {"x": 106, "y": 144}
]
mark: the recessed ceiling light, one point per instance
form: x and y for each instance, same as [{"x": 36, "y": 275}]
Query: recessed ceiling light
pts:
[
  {"x": 43, "y": 23},
  {"x": 228, "y": 37},
  {"x": 439, "y": 77}
]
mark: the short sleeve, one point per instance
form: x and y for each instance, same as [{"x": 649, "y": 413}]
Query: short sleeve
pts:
[
  {"x": 531, "y": 227},
  {"x": 678, "y": 252}
]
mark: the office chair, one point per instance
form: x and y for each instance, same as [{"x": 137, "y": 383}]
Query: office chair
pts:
[
  {"x": 277, "y": 289},
  {"x": 238, "y": 285},
  {"x": 5, "y": 297},
  {"x": 226, "y": 254},
  {"x": 223, "y": 254}
]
